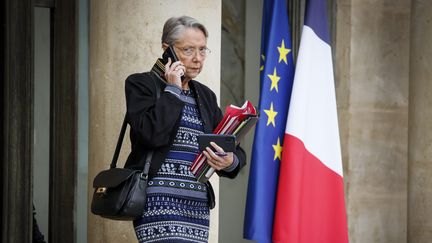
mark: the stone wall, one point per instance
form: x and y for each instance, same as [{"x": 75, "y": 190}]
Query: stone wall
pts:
[{"x": 372, "y": 72}]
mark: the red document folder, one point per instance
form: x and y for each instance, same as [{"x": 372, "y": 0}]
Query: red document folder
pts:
[{"x": 237, "y": 121}]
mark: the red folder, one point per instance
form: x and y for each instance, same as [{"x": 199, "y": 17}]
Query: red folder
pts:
[{"x": 237, "y": 121}]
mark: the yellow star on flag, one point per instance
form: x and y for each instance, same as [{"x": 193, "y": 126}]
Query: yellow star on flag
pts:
[
  {"x": 262, "y": 66},
  {"x": 283, "y": 52},
  {"x": 271, "y": 115},
  {"x": 275, "y": 80},
  {"x": 278, "y": 150}
]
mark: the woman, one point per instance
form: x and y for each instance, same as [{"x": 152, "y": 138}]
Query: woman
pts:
[{"x": 166, "y": 114}]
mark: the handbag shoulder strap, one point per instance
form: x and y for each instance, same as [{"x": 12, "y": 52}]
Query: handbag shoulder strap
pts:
[
  {"x": 119, "y": 143},
  {"x": 157, "y": 87},
  {"x": 122, "y": 134}
]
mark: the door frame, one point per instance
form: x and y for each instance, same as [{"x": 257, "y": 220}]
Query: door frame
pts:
[
  {"x": 17, "y": 123},
  {"x": 64, "y": 120}
]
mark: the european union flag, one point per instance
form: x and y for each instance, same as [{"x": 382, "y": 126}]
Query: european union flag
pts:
[{"x": 276, "y": 79}]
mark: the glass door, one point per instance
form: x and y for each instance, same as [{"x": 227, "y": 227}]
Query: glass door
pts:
[{"x": 41, "y": 121}]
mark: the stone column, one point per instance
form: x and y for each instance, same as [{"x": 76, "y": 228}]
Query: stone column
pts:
[
  {"x": 125, "y": 39},
  {"x": 372, "y": 67},
  {"x": 420, "y": 124}
]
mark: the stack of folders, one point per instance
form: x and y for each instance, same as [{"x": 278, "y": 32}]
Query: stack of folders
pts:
[{"x": 237, "y": 121}]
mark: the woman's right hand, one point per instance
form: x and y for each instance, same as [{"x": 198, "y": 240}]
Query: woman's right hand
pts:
[{"x": 174, "y": 72}]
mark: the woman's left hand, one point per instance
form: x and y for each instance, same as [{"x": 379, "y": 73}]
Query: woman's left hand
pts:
[{"x": 219, "y": 160}]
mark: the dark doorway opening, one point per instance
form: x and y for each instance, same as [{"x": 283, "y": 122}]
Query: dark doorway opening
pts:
[{"x": 17, "y": 134}]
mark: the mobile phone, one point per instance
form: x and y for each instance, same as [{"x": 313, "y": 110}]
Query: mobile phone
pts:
[
  {"x": 170, "y": 53},
  {"x": 226, "y": 142}
]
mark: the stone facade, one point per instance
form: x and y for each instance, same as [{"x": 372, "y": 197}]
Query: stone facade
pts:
[{"x": 372, "y": 75}]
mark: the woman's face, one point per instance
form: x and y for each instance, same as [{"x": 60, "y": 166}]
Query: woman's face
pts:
[{"x": 191, "y": 49}]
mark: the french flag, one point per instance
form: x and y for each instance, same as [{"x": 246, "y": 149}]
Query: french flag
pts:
[{"x": 310, "y": 205}]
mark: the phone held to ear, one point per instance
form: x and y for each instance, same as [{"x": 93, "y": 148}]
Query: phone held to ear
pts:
[{"x": 170, "y": 53}]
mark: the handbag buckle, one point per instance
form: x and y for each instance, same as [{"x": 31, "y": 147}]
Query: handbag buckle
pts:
[
  {"x": 143, "y": 176},
  {"x": 101, "y": 190}
]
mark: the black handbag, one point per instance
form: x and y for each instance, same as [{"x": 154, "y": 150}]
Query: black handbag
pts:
[{"x": 120, "y": 193}]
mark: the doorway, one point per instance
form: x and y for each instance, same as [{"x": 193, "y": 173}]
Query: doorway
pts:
[{"x": 39, "y": 119}]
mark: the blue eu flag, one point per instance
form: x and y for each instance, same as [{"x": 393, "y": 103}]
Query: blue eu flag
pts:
[{"x": 276, "y": 79}]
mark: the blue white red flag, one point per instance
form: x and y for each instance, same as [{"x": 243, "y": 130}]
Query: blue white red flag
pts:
[
  {"x": 276, "y": 76},
  {"x": 310, "y": 205}
]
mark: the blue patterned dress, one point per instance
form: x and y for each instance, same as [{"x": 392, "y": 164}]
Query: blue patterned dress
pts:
[{"x": 177, "y": 207}]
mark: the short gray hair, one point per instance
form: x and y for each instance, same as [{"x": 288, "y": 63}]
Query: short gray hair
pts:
[{"x": 176, "y": 25}]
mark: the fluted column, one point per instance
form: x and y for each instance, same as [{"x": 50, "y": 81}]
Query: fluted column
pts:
[{"x": 372, "y": 78}]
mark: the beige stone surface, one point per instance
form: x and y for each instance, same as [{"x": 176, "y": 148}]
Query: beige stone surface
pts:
[
  {"x": 125, "y": 39},
  {"x": 342, "y": 69},
  {"x": 420, "y": 121},
  {"x": 372, "y": 80}
]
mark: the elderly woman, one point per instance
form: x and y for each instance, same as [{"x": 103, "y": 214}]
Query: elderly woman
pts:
[{"x": 166, "y": 114}]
